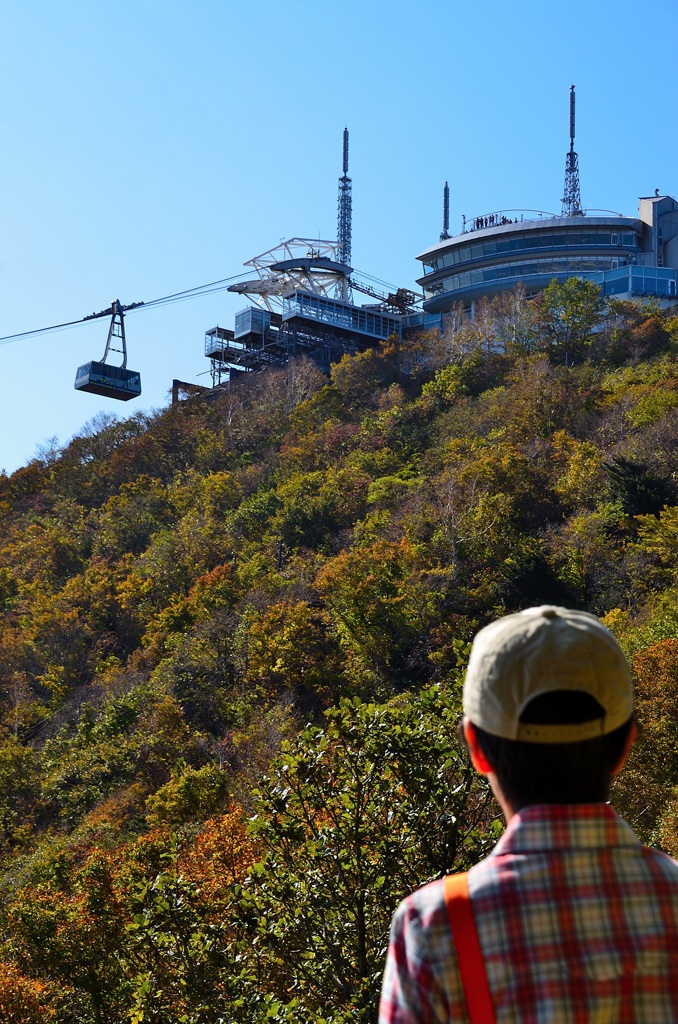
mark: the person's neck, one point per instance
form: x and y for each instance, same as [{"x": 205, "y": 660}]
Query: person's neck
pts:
[{"x": 507, "y": 808}]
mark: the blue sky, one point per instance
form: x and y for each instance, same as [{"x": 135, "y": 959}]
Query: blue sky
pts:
[{"x": 153, "y": 146}]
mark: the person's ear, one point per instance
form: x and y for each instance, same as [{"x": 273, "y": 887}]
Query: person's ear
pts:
[
  {"x": 478, "y": 759},
  {"x": 630, "y": 740}
]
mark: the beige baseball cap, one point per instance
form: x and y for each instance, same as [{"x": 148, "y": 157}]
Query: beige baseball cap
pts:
[{"x": 537, "y": 651}]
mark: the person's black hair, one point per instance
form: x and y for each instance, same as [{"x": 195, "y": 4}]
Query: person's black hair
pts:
[{"x": 556, "y": 773}]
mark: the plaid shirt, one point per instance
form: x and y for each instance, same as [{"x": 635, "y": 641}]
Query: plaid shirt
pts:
[{"x": 578, "y": 924}]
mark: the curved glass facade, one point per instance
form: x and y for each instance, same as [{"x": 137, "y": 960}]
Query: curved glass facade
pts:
[
  {"x": 495, "y": 259},
  {"x": 514, "y": 272},
  {"x": 533, "y": 241}
]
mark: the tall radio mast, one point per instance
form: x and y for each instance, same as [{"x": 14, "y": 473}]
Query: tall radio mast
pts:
[
  {"x": 344, "y": 212},
  {"x": 572, "y": 195},
  {"x": 445, "y": 233}
]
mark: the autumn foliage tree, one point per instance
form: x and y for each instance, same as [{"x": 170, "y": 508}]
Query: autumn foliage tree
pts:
[
  {"x": 183, "y": 592},
  {"x": 354, "y": 816}
]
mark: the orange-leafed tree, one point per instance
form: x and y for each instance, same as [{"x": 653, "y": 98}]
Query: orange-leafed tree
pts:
[
  {"x": 24, "y": 1000},
  {"x": 69, "y": 931},
  {"x": 221, "y": 856}
]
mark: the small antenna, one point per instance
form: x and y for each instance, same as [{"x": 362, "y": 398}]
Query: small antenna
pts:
[
  {"x": 446, "y": 213},
  {"x": 572, "y": 194},
  {"x": 344, "y": 219},
  {"x": 572, "y": 102}
]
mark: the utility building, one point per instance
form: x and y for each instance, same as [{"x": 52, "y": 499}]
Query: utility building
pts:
[
  {"x": 629, "y": 257},
  {"x": 304, "y": 290}
]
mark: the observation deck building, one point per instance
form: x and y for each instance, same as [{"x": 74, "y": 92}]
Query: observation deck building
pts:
[{"x": 627, "y": 257}]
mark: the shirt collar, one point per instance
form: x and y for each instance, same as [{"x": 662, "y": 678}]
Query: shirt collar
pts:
[{"x": 564, "y": 826}]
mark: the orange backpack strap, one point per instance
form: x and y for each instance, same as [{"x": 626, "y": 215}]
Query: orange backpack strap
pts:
[{"x": 467, "y": 946}]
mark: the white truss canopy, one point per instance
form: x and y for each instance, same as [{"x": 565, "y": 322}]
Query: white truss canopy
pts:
[{"x": 297, "y": 264}]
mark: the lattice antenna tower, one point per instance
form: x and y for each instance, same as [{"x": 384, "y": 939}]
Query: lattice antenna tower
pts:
[
  {"x": 344, "y": 215},
  {"x": 572, "y": 195},
  {"x": 445, "y": 233}
]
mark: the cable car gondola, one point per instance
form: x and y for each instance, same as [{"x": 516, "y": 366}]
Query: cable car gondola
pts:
[{"x": 102, "y": 378}]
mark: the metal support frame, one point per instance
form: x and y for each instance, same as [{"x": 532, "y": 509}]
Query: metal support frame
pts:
[
  {"x": 116, "y": 331},
  {"x": 323, "y": 343},
  {"x": 219, "y": 372},
  {"x": 308, "y": 264},
  {"x": 313, "y": 325}
]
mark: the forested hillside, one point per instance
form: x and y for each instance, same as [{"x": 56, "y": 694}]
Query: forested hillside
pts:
[{"x": 233, "y": 634}]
